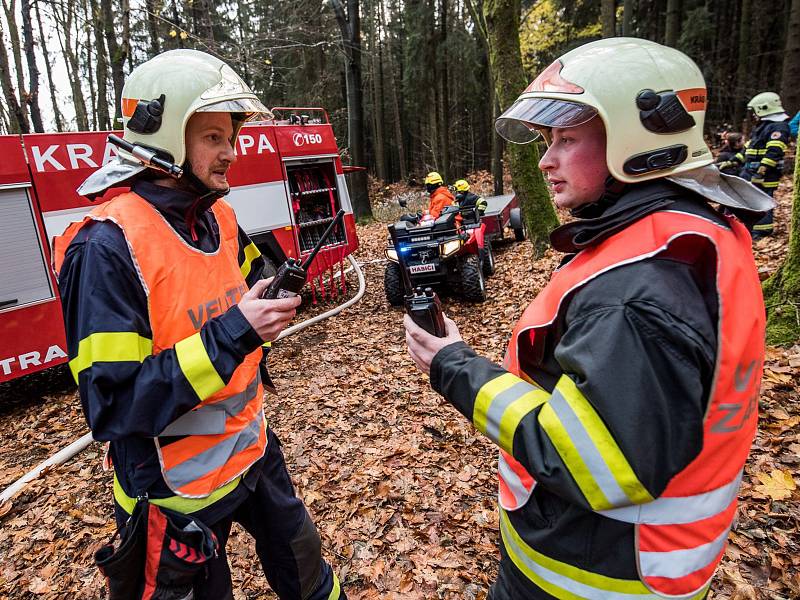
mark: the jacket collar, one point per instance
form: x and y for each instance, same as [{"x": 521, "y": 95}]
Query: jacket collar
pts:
[{"x": 618, "y": 208}]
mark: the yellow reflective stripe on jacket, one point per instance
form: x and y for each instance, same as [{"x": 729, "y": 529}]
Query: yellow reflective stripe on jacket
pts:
[
  {"x": 561, "y": 579},
  {"x": 500, "y": 406},
  {"x": 769, "y": 184},
  {"x": 769, "y": 162},
  {"x": 589, "y": 451},
  {"x": 764, "y": 227},
  {"x": 110, "y": 346},
  {"x": 755, "y": 152},
  {"x": 197, "y": 366},
  {"x": 251, "y": 252},
  {"x": 267, "y": 344},
  {"x": 777, "y": 144},
  {"x": 176, "y": 503},
  {"x": 336, "y": 591}
]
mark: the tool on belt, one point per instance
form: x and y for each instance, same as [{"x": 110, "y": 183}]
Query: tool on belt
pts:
[
  {"x": 157, "y": 555},
  {"x": 291, "y": 277},
  {"x": 422, "y": 305}
]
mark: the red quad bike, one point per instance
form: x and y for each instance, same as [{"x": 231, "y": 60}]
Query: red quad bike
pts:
[{"x": 441, "y": 253}]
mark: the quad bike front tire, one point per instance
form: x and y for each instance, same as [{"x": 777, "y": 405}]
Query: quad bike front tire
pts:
[
  {"x": 473, "y": 286},
  {"x": 487, "y": 259},
  {"x": 393, "y": 284}
]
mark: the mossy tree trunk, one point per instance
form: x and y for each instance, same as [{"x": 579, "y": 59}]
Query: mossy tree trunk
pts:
[
  {"x": 502, "y": 28},
  {"x": 782, "y": 290}
]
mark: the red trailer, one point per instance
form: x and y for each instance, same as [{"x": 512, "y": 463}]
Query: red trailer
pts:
[{"x": 286, "y": 186}]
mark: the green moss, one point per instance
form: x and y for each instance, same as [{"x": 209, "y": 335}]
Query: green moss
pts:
[{"x": 782, "y": 290}]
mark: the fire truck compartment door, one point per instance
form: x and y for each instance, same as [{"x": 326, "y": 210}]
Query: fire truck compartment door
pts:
[{"x": 23, "y": 270}]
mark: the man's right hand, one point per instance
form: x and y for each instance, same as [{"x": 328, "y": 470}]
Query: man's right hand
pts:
[{"x": 267, "y": 317}]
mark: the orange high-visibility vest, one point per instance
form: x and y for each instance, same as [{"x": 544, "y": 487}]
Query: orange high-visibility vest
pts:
[
  {"x": 681, "y": 535},
  {"x": 225, "y": 434}
]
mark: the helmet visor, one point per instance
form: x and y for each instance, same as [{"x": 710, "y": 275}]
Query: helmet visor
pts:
[
  {"x": 249, "y": 106},
  {"x": 520, "y": 123}
]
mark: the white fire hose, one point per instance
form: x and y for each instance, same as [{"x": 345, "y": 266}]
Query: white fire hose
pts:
[{"x": 63, "y": 455}]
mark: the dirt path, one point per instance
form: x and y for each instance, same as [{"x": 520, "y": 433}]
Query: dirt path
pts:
[{"x": 400, "y": 485}]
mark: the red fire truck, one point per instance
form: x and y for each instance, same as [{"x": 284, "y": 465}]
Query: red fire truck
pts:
[{"x": 286, "y": 186}]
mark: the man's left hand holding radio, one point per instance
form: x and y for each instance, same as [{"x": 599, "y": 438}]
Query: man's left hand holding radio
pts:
[{"x": 267, "y": 317}]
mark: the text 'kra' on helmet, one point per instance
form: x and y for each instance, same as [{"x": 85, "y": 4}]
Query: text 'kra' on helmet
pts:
[{"x": 651, "y": 99}]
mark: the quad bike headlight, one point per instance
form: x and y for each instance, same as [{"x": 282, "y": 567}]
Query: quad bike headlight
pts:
[
  {"x": 391, "y": 254},
  {"x": 450, "y": 247}
]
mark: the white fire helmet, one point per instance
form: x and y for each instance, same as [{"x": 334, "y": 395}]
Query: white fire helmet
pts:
[
  {"x": 651, "y": 99},
  {"x": 158, "y": 99}
]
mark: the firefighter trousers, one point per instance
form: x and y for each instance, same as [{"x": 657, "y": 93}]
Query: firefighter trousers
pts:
[{"x": 287, "y": 542}]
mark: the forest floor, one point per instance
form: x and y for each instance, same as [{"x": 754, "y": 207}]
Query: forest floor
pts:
[{"x": 400, "y": 485}]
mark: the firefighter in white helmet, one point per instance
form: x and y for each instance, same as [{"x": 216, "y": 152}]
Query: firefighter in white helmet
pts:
[
  {"x": 626, "y": 404},
  {"x": 166, "y": 333},
  {"x": 762, "y": 157}
]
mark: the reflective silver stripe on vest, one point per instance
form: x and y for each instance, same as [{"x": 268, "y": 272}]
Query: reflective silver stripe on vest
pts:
[
  {"x": 588, "y": 451},
  {"x": 499, "y": 405},
  {"x": 679, "y": 563},
  {"x": 215, "y": 457},
  {"x": 569, "y": 584},
  {"x": 510, "y": 478},
  {"x": 678, "y": 511},
  {"x": 210, "y": 419}
]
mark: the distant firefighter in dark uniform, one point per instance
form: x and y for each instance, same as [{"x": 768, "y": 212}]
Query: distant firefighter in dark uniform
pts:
[{"x": 762, "y": 162}]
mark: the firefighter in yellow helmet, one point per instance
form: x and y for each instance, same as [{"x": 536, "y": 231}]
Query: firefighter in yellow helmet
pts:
[
  {"x": 165, "y": 328},
  {"x": 626, "y": 404},
  {"x": 469, "y": 200},
  {"x": 440, "y": 196}
]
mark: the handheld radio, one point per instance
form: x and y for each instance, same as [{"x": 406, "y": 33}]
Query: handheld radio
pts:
[
  {"x": 422, "y": 305},
  {"x": 291, "y": 277}
]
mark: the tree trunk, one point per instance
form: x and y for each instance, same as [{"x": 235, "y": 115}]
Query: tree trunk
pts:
[
  {"x": 33, "y": 69},
  {"x": 117, "y": 51},
  {"x": 790, "y": 81},
  {"x": 70, "y": 55},
  {"x": 782, "y": 290},
  {"x": 152, "y": 27},
  {"x": 17, "y": 119},
  {"x": 377, "y": 96},
  {"x": 393, "y": 84},
  {"x": 502, "y": 25},
  {"x": 608, "y": 18},
  {"x": 59, "y": 120},
  {"x": 497, "y": 148},
  {"x": 444, "y": 93},
  {"x": 743, "y": 72},
  {"x": 628, "y": 8},
  {"x": 101, "y": 67},
  {"x": 89, "y": 68},
  {"x": 16, "y": 50},
  {"x": 673, "y": 24},
  {"x": 350, "y": 26}
]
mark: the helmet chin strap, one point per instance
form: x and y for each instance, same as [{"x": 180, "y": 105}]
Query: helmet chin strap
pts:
[{"x": 192, "y": 182}]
